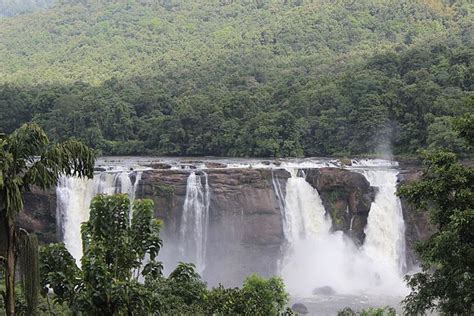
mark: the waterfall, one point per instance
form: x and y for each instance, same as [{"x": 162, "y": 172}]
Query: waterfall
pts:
[
  {"x": 74, "y": 196},
  {"x": 316, "y": 257},
  {"x": 385, "y": 231},
  {"x": 305, "y": 216},
  {"x": 195, "y": 221},
  {"x": 281, "y": 203}
]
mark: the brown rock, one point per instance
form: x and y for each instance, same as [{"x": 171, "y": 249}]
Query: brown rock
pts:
[
  {"x": 345, "y": 195},
  {"x": 39, "y": 214},
  {"x": 345, "y": 162},
  {"x": 159, "y": 165},
  {"x": 215, "y": 165},
  {"x": 417, "y": 223}
]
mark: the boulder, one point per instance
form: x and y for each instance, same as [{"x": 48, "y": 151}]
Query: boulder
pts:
[
  {"x": 324, "y": 290},
  {"x": 159, "y": 165},
  {"x": 345, "y": 162},
  {"x": 299, "y": 308},
  {"x": 324, "y": 179},
  {"x": 187, "y": 166},
  {"x": 215, "y": 165},
  {"x": 346, "y": 196}
]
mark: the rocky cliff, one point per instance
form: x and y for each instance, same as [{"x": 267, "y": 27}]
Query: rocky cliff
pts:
[
  {"x": 39, "y": 214},
  {"x": 245, "y": 224},
  {"x": 417, "y": 223},
  {"x": 245, "y": 227}
]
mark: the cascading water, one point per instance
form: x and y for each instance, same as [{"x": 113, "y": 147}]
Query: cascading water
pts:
[
  {"x": 304, "y": 216},
  {"x": 317, "y": 258},
  {"x": 74, "y": 196},
  {"x": 195, "y": 221},
  {"x": 385, "y": 232}
]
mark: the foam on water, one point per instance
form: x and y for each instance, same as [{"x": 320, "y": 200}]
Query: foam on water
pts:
[{"x": 316, "y": 257}]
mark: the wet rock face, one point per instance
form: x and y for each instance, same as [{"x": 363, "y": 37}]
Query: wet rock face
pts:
[
  {"x": 167, "y": 189},
  {"x": 245, "y": 224},
  {"x": 39, "y": 214},
  {"x": 245, "y": 221},
  {"x": 246, "y": 231},
  {"x": 417, "y": 223},
  {"x": 346, "y": 196}
]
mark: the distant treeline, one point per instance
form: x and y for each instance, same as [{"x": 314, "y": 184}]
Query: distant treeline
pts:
[{"x": 262, "y": 78}]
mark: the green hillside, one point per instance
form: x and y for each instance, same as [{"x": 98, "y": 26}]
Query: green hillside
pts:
[{"x": 241, "y": 78}]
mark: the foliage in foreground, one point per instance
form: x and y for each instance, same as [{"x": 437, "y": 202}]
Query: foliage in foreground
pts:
[
  {"x": 113, "y": 281},
  {"x": 27, "y": 158},
  {"x": 382, "y": 311},
  {"x": 446, "y": 190}
]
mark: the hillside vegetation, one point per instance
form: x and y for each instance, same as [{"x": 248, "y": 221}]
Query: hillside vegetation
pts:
[{"x": 241, "y": 78}]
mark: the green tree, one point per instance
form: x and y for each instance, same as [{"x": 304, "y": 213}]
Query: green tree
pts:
[
  {"x": 257, "y": 296},
  {"x": 381, "y": 311},
  {"x": 120, "y": 274},
  {"x": 119, "y": 249},
  {"x": 263, "y": 297},
  {"x": 446, "y": 282},
  {"x": 27, "y": 158},
  {"x": 183, "y": 292}
]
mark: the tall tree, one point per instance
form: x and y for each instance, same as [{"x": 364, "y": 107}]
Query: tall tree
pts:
[
  {"x": 446, "y": 282},
  {"x": 28, "y": 158},
  {"x": 117, "y": 253}
]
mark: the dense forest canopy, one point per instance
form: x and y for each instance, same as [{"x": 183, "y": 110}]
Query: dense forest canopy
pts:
[{"x": 241, "y": 78}]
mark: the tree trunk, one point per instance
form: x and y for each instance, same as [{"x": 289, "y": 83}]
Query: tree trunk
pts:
[{"x": 10, "y": 271}]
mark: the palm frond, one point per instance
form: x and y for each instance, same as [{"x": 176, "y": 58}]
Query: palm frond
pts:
[
  {"x": 26, "y": 142},
  {"x": 70, "y": 158}
]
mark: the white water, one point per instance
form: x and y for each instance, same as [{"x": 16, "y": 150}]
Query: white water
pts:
[
  {"x": 304, "y": 216},
  {"x": 195, "y": 221},
  {"x": 385, "y": 231},
  {"x": 315, "y": 256},
  {"x": 74, "y": 196},
  {"x": 318, "y": 258}
]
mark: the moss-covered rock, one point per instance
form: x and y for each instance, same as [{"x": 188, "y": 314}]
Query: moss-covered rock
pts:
[{"x": 346, "y": 196}]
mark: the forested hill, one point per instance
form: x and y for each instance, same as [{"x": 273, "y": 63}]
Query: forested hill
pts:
[{"x": 241, "y": 78}]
